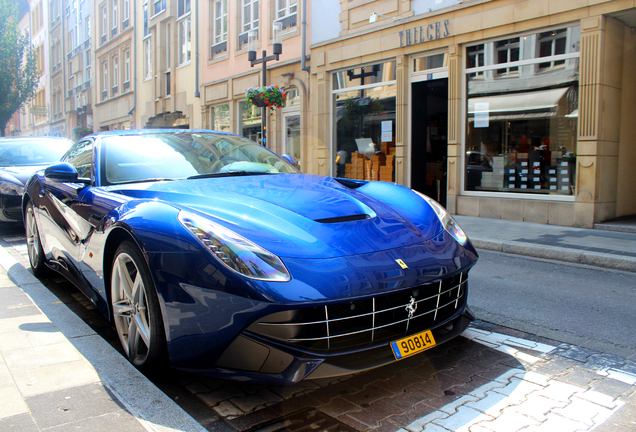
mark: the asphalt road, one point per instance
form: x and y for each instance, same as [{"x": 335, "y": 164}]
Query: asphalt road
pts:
[{"x": 581, "y": 305}]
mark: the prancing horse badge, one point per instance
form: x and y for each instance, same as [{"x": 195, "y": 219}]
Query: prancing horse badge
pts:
[{"x": 402, "y": 264}]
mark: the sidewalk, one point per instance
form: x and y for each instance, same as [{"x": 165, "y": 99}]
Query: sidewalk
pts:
[
  {"x": 57, "y": 374},
  {"x": 610, "y": 245}
]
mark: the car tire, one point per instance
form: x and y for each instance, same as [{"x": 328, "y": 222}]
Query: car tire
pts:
[
  {"x": 136, "y": 312},
  {"x": 34, "y": 245}
]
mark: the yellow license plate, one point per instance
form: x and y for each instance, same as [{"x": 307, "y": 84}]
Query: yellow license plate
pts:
[{"x": 413, "y": 344}]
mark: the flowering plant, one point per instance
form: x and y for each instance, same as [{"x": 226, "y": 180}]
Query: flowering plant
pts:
[
  {"x": 81, "y": 131},
  {"x": 271, "y": 96}
]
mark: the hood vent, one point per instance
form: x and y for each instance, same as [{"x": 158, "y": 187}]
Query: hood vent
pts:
[{"x": 340, "y": 219}]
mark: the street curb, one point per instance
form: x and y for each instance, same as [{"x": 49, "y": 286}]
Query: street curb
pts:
[
  {"x": 154, "y": 410},
  {"x": 596, "y": 259}
]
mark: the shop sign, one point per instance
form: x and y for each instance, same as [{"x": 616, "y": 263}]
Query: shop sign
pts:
[
  {"x": 421, "y": 34},
  {"x": 38, "y": 110}
]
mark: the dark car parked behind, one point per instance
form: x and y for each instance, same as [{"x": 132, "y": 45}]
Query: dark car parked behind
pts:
[{"x": 19, "y": 158}]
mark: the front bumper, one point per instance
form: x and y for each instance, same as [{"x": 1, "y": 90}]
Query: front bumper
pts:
[{"x": 251, "y": 359}]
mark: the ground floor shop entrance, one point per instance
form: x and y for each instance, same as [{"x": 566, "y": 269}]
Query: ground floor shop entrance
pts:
[{"x": 429, "y": 137}]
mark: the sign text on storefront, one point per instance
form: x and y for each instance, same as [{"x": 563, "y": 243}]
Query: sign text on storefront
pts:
[{"x": 433, "y": 31}]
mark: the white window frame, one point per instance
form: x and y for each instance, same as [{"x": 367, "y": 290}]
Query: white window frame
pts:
[
  {"x": 115, "y": 17},
  {"x": 252, "y": 6},
  {"x": 219, "y": 26},
  {"x": 290, "y": 7},
  {"x": 185, "y": 40},
  {"x": 104, "y": 21},
  {"x": 147, "y": 58},
  {"x": 127, "y": 66},
  {"x": 104, "y": 76},
  {"x": 115, "y": 71},
  {"x": 126, "y": 9}
]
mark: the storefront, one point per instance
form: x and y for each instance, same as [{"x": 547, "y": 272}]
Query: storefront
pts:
[{"x": 494, "y": 109}]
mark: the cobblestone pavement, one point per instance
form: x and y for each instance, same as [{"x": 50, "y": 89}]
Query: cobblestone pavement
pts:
[{"x": 490, "y": 380}]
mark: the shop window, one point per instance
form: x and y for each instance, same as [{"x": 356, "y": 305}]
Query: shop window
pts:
[
  {"x": 435, "y": 61},
  {"x": 250, "y": 124},
  {"x": 364, "y": 119},
  {"x": 475, "y": 58},
  {"x": 550, "y": 44},
  {"x": 220, "y": 118},
  {"x": 521, "y": 132},
  {"x": 507, "y": 51}
]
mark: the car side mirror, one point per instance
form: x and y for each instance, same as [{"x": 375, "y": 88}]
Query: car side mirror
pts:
[
  {"x": 291, "y": 160},
  {"x": 64, "y": 172}
]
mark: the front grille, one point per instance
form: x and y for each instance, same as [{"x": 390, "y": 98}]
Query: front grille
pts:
[{"x": 356, "y": 323}]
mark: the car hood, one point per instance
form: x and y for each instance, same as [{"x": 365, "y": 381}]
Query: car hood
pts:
[
  {"x": 302, "y": 216},
  {"x": 19, "y": 173}
]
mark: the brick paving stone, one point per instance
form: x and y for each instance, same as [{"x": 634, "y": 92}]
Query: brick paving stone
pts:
[
  {"x": 510, "y": 421},
  {"x": 227, "y": 409},
  {"x": 338, "y": 406},
  {"x": 559, "y": 424},
  {"x": 560, "y": 391},
  {"x": 453, "y": 407},
  {"x": 463, "y": 417},
  {"x": 583, "y": 411},
  {"x": 480, "y": 392},
  {"x": 493, "y": 403},
  {"x": 606, "y": 401},
  {"x": 558, "y": 364},
  {"x": 253, "y": 401},
  {"x": 579, "y": 377},
  {"x": 612, "y": 387},
  {"x": 369, "y": 394},
  {"x": 619, "y": 375},
  {"x": 519, "y": 388},
  {"x": 574, "y": 352},
  {"x": 537, "y": 378},
  {"x": 537, "y": 406},
  {"x": 467, "y": 388},
  {"x": 350, "y": 421},
  {"x": 509, "y": 374},
  {"x": 419, "y": 424},
  {"x": 378, "y": 411},
  {"x": 600, "y": 361},
  {"x": 493, "y": 371}
]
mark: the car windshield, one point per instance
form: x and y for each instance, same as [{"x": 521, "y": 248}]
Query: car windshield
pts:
[
  {"x": 25, "y": 152},
  {"x": 180, "y": 155}
]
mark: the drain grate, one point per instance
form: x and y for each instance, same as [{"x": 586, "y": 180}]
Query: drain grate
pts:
[{"x": 305, "y": 420}]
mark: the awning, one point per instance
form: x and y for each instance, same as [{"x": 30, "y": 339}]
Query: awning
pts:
[{"x": 518, "y": 102}]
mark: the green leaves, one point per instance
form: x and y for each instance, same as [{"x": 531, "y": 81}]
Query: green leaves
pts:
[{"x": 18, "y": 63}]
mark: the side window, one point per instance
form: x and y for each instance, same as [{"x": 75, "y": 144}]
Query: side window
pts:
[{"x": 81, "y": 157}]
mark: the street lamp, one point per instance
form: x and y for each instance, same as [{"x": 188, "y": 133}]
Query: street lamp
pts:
[{"x": 252, "y": 42}]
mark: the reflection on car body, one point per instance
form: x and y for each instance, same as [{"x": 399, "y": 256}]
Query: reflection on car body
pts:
[{"x": 213, "y": 254}]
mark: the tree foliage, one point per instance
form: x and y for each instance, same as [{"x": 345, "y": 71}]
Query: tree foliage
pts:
[{"x": 18, "y": 66}]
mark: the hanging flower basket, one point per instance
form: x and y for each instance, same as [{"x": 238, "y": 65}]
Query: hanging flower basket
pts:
[
  {"x": 270, "y": 96},
  {"x": 81, "y": 131}
]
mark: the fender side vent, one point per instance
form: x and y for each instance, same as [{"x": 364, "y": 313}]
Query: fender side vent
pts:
[{"x": 340, "y": 219}]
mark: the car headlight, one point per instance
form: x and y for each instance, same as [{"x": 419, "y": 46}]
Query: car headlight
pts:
[
  {"x": 9, "y": 188},
  {"x": 446, "y": 219},
  {"x": 234, "y": 251}
]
